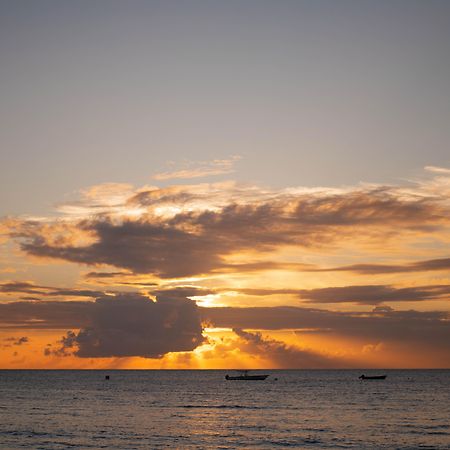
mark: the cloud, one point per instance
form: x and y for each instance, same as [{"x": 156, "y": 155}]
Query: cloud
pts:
[
  {"x": 107, "y": 275},
  {"x": 440, "y": 170},
  {"x": 200, "y": 169},
  {"x": 133, "y": 325},
  {"x": 98, "y": 199},
  {"x": 374, "y": 269},
  {"x": 180, "y": 292},
  {"x": 374, "y": 294},
  {"x": 259, "y": 266},
  {"x": 430, "y": 330},
  {"x": 139, "y": 246},
  {"x": 16, "y": 341},
  {"x": 25, "y": 287},
  {"x": 20, "y": 286},
  {"x": 282, "y": 355},
  {"x": 56, "y": 314},
  {"x": 197, "y": 242},
  {"x": 224, "y": 229},
  {"x": 171, "y": 200},
  {"x": 45, "y": 314},
  {"x": 359, "y": 294},
  {"x": 22, "y": 340}
]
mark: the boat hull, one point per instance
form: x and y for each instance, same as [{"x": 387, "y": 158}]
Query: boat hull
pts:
[
  {"x": 374, "y": 377},
  {"x": 246, "y": 377}
]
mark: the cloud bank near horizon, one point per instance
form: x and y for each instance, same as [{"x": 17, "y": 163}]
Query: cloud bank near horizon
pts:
[{"x": 125, "y": 325}]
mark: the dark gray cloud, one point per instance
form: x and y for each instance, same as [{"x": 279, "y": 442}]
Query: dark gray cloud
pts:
[
  {"x": 133, "y": 325},
  {"x": 13, "y": 287},
  {"x": 362, "y": 295},
  {"x": 375, "y": 294},
  {"x": 414, "y": 328},
  {"x": 45, "y": 314},
  {"x": 377, "y": 206},
  {"x": 107, "y": 275},
  {"x": 168, "y": 196},
  {"x": 21, "y": 286},
  {"x": 16, "y": 341},
  {"x": 193, "y": 243},
  {"x": 139, "y": 246},
  {"x": 374, "y": 269}
]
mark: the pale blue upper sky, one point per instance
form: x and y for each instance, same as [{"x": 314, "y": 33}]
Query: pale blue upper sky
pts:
[{"x": 307, "y": 92}]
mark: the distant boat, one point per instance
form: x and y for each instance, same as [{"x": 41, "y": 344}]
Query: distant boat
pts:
[
  {"x": 245, "y": 376},
  {"x": 372, "y": 377}
]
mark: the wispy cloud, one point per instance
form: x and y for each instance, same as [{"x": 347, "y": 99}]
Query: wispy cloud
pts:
[
  {"x": 435, "y": 169},
  {"x": 439, "y": 264},
  {"x": 358, "y": 294},
  {"x": 24, "y": 287},
  {"x": 375, "y": 294},
  {"x": 200, "y": 169}
]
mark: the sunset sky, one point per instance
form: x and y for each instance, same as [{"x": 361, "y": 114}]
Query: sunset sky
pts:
[{"x": 236, "y": 184}]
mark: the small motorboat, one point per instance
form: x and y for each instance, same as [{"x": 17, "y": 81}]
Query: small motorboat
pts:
[
  {"x": 372, "y": 377},
  {"x": 245, "y": 376}
]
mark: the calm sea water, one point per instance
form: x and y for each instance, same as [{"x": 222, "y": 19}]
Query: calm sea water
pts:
[{"x": 199, "y": 409}]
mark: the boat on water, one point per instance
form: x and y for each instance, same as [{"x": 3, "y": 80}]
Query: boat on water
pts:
[
  {"x": 372, "y": 377},
  {"x": 244, "y": 375}
]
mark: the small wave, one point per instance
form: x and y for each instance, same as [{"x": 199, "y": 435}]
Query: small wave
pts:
[
  {"x": 32, "y": 433},
  {"x": 424, "y": 432},
  {"x": 223, "y": 407},
  {"x": 294, "y": 442},
  {"x": 427, "y": 428}
]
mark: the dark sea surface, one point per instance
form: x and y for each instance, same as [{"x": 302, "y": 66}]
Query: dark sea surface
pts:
[{"x": 200, "y": 409}]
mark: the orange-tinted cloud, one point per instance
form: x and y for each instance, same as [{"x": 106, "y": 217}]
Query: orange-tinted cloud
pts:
[
  {"x": 132, "y": 325},
  {"x": 283, "y": 355},
  {"x": 212, "y": 241},
  {"x": 430, "y": 330},
  {"x": 360, "y": 294},
  {"x": 374, "y": 269},
  {"x": 197, "y": 241},
  {"x": 200, "y": 169}
]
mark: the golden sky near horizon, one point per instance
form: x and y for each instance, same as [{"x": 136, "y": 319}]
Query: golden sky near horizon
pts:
[{"x": 214, "y": 275}]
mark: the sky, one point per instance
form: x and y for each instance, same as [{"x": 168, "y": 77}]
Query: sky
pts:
[{"x": 240, "y": 184}]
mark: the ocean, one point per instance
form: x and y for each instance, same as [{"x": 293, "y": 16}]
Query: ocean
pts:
[{"x": 199, "y": 409}]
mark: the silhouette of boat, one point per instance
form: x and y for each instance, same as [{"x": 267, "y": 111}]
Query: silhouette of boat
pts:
[
  {"x": 372, "y": 377},
  {"x": 245, "y": 376}
]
